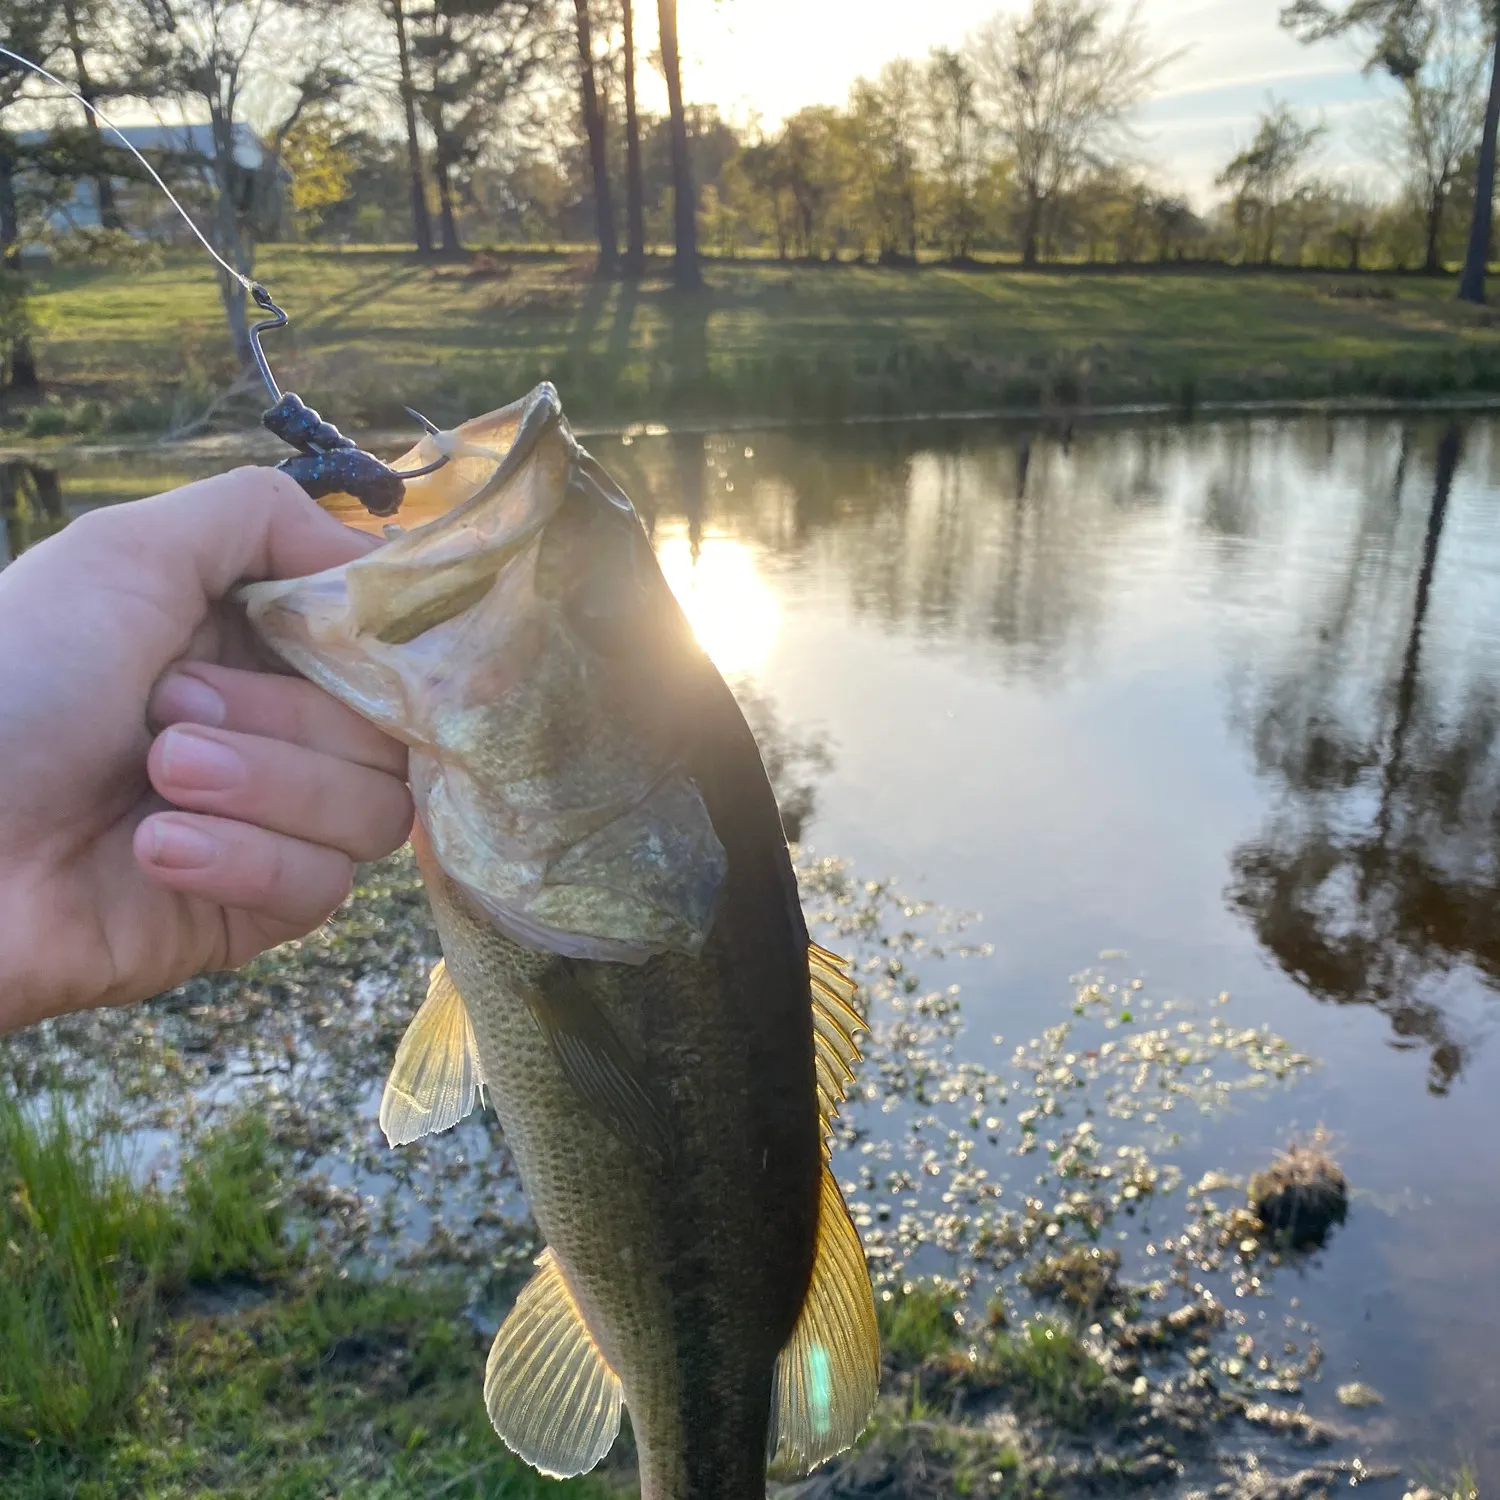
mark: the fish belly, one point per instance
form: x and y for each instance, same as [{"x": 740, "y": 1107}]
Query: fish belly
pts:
[{"x": 689, "y": 1266}]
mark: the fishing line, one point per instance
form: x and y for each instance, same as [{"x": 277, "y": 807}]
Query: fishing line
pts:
[
  {"x": 155, "y": 176},
  {"x": 327, "y": 462}
]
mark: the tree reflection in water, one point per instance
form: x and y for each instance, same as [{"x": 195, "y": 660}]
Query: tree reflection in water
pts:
[{"x": 1376, "y": 873}]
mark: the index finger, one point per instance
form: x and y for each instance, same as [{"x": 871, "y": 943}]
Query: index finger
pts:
[{"x": 250, "y": 523}]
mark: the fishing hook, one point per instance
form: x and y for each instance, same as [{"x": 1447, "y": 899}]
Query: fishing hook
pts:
[{"x": 327, "y": 462}]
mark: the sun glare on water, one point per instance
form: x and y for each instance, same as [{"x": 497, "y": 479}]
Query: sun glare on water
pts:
[{"x": 732, "y": 611}]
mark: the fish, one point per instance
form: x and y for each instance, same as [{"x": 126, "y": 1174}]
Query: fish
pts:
[{"x": 627, "y": 974}]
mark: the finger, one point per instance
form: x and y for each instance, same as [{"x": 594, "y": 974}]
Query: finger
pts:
[
  {"x": 290, "y": 883},
  {"x": 284, "y": 788},
  {"x": 273, "y": 707},
  {"x": 208, "y": 536}
]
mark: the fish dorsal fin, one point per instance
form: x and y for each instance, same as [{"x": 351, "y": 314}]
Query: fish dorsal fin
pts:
[
  {"x": 828, "y": 1375},
  {"x": 837, "y": 1023},
  {"x": 549, "y": 1391},
  {"x": 435, "y": 1078}
]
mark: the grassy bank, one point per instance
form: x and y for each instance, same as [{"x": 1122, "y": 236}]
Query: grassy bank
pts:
[
  {"x": 179, "y": 1343},
  {"x": 373, "y": 330}
]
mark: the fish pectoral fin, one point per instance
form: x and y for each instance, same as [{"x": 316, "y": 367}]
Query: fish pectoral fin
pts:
[
  {"x": 550, "y": 1393},
  {"x": 435, "y": 1078},
  {"x": 601, "y": 1069},
  {"x": 828, "y": 1375}
]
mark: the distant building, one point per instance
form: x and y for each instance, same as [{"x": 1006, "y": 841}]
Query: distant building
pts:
[{"x": 173, "y": 150}]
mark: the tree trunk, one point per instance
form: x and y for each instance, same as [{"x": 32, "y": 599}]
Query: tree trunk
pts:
[
  {"x": 20, "y": 357},
  {"x": 452, "y": 245},
  {"x": 104, "y": 187},
  {"x": 231, "y": 242},
  {"x": 635, "y": 218},
  {"x": 1471, "y": 282},
  {"x": 1434, "y": 229},
  {"x": 593, "y": 124},
  {"x": 421, "y": 224},
  {"x": 1031, "y": 232},
  {"x": 686, "y": 270}
]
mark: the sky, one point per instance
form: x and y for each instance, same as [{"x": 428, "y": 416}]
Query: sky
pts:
[{"x": 769, "y": 57}]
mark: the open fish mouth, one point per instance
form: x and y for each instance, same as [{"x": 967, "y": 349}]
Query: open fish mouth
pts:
[{"x": 522, "y": 642}]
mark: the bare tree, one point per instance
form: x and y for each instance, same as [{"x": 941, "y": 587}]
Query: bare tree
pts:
[
  {"x": 635, "y": 213},
  {"x": 685, "y": 268},
  {"x": 1057, "y": 86},
  {"x": 473, "y": 63},
  {"x": 1442, "y": 110},
  {"x": 1264, "y": 176},
  {"x": 953, "y": 127},
  {"x": 208, "y": 56},
  {"x": 593, "y": 125},
  {"x": 421, "y": 222},
  {"x": 1398, "y": 31}
]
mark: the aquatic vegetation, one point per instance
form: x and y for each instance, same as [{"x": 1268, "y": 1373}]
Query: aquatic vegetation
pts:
[
  {"x": 917, "y": 1320},
  {"x": 985, "y": 1180},
  {"x": 1047, "y": 1370},
  {"x": 1302, "y": 1195}
]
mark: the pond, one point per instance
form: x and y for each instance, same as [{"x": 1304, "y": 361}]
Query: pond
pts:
[{"x": 1219, "y": 700}]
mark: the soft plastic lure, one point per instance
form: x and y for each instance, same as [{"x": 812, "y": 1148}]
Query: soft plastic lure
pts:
[{"x": 326, "y": 461}]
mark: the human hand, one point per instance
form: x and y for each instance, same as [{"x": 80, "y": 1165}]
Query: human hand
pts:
[{"x": 169, "y": 802}]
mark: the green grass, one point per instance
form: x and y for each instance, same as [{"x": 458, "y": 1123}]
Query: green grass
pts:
[
  {"x": 917, "y": 1321},
  {"x": 1049, "y": 1373},
  {"x": 87, "y": 1259},
  {"x": 373, "y": 329},
  {"x": 176, "y": 1343}
]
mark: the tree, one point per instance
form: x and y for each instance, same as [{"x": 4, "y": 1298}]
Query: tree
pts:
[
  {"x": 81, "y": 26},
  {"x": 1398, "y": 31},
  {"x": 473, "y": 61},
  {"x": 1442, "y": 111},
  {"x": 1056, "y": 87},
  {"x": 208, "y": 56},
  {"x": 1263, "y": 177},
  {"x": 686, "y": 271},
  {"x": 885, "y": 123},
  {"x": 635, "y": 218},
  {"x": 421, "y": 223},
  {"x": 593, "y": 124},
  {"x": 33, "y": 29},
  {"x": 953, "y": 124}
]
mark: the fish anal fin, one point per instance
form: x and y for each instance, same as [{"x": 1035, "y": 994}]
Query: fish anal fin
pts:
[
  {"x": 828, "y": 1375},
  {"x": 599, "y": 1066},
  {"x": 549, "y": 1391},
  {"x": 435, "y": 1078}
]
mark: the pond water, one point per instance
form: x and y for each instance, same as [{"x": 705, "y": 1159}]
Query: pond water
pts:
[{"x": 1222, "y": 698}]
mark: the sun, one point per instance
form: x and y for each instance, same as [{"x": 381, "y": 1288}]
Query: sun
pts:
[{"x": 733, "y": 612}]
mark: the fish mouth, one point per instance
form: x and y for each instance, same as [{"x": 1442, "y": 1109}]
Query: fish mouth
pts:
[
  {"x": 479, "y": 454},
  {"x": 478, "y": 513},
  {"x": 564, "y": 814}
]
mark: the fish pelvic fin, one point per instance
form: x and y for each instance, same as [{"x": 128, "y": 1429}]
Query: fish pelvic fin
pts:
[
  {"x": 550, "y": 1393},
  {"x": 435, "y": 1078},
  {"x": 603, "y": 1072},
  {"x": 828, "y": 1375},
  {"x": 837, "y": 1025}
]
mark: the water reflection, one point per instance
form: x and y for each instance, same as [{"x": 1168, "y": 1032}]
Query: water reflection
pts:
[
  {"x": 31, "y": 504},
  {"x": 1335, "y": 575},
  {"x": 1376, "y": 870}
]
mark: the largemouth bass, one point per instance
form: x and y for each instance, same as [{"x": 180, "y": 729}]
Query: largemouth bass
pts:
[{"x": 626, "y": 969}]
